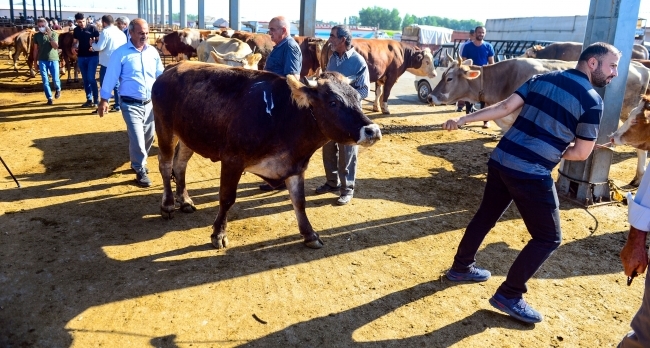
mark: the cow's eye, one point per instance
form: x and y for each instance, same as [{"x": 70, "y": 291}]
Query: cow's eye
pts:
[
  {"x": 333, "y": 103},
  {"x": 449, "y": 79}
]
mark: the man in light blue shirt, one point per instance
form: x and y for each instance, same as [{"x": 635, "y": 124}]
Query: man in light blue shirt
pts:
[
  {"x": 340, "y": 161},
  {"x": 110, "y": 38},
  {"x": 136, "y": 65}
]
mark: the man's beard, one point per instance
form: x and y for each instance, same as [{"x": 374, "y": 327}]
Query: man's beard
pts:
[{"x": 599, "y": 79}]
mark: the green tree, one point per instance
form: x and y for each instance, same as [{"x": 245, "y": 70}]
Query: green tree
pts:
[
  {"x": 353, "y": 20},
  {"x": 386, "y": 19}
]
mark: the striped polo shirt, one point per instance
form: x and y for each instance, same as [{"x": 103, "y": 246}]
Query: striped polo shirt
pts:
[{"x": 558, "y": 107}]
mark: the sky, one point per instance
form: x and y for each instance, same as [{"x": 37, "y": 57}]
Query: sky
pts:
[{"x": 337, "y": 10}]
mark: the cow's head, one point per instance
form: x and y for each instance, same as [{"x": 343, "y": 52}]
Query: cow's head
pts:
[
  {"x": 532, "y": 52},
  {"x": 248, "y": 61},
  {"x": 455, "y": 84},
  {"x": 336, "y": 107},
  {"x": 636, "y": 129},
  {"x": 423, "y": 63}
]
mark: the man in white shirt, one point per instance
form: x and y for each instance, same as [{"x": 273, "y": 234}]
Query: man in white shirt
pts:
[{"x": 110, "y": 38}]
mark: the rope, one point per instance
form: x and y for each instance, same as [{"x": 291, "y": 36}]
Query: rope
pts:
[{"x": 396, "y": 129}]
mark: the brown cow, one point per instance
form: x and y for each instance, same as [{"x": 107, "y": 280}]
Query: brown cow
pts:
[
  {"x": 9, "y": 41},
  {"x": 570, "y": 51},
  {"x": 253, "y": 121},
  {"x": 24, "y": 44},
  {"x": 66, "y": 42},
  {"x": 387, "y": 60},
  {"x": 311, "y": 49},
  {"x": 259, "y": 43},
  {"x": 181, "y": 44},
  {"x": 635, "y": 132}
]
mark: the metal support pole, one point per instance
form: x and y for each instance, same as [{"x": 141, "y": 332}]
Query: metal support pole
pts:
[
  {"x": 35, "y": 15},
  {"x": 307, "y": 18},
  {"x": 43, "y": 7},
  {"x": 49, "y": 7},
  {"x": 11, "y": 11},
  {"x": 54, "y": 9},
  {"x": 171, "y": 15},
  {"x": 24, "y": 10},
  {"x": 60, "y": 10},
  {"x": 163, "y": 19},
  {"x": 614, "y": 22},
  {"x": 183, "y": 18},
  {"x": 155, "y": 13},
  {"x": 234, "y": 15},
  {"x": 201, "y": 14}
]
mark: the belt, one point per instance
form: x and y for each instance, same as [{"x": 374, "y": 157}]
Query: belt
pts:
[{"x": 135, "y": 101}]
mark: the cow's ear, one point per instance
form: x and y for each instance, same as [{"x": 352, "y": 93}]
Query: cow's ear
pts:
[
  {"x": 254, "y": 59},
  {"x": 467, "y": 62},
  {"x": 472, "y": 74},
  {"x": 299, "y": 92}
]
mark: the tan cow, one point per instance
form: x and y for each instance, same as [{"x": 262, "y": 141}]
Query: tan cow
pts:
[
  {"x": 570, "y": 51},
  {"x": 494, "y": 83},
  {"x": 230, "y": 52},
  {"x": 635, "y": 132}
]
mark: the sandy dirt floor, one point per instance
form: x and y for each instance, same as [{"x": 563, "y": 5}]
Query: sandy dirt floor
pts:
[{"x": 87, "y": 261}]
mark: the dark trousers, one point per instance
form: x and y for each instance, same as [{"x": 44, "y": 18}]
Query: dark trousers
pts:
[
  {"x": 468, "y": 106},
  {"x": 537, "y": 202}
]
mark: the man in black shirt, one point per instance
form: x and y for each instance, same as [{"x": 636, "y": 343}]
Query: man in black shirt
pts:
[{"x": 84, "y": 35}]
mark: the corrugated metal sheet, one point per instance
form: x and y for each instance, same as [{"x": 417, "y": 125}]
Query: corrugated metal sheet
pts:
[{"x": 561, "y": 28}]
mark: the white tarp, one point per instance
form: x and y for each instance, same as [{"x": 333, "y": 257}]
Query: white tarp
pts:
[{"x": 430, "y": 35}]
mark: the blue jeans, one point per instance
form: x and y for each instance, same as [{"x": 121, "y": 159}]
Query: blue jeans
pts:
[
  {"x": 141, "y": 129},
  {"x": 537, "y": 202},
  {"x": 88, "y": 68},
  {"x": 116, "y": 95},
  {"x": 53, "y": 67}
]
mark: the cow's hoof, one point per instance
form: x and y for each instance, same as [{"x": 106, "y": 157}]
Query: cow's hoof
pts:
[
  {"x": 219, "y": 242},
  {"x": 375, "y": 109},
  {"x": 188, "y": 208},
  {"x": 385, "y": 112},
  {"x": 314, "y": 244},
  {"x": 167, "y": 215}
]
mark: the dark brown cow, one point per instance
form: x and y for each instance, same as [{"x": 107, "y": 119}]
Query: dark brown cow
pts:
[
  {"x": 259, "y": 43},
  {"x": 311, "y": 49},
  {"x": 387, "y": 60},
  {"x": 570, "y": 51},
  {"x": 252, "y": 121},
  {"x": 24, "y": 44},
  {"x": 69, "y": 56}
]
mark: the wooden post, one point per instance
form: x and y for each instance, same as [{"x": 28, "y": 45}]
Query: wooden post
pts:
[{"x": 614, "y": 22}]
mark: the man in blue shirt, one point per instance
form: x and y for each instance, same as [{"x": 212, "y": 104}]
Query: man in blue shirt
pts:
[
  {"x": 340, "y": 161},
  {"x": 481, "y": 53},
  {"x": 558, "y": 108},
  {"x": 136, "y": 65},
  {"x": 84, "y": 35},
  {"x": 285, "y": 59}
]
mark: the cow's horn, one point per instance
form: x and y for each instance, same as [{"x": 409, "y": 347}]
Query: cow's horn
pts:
[{"x": 450, "y": 59}]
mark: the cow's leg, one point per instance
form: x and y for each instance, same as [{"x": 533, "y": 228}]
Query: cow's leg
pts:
[
  {"x": 166, "y": 144},
  {"x": 379, "y": 87},
  {"x": 642, "y": 157},
  {"x": 384, "y": 101},
  {"x": 16, "y": 57},
  {"x": 296, "y": 186},
  {"x": 230, "y": 176},
  {"x": 181, "y": 157}
]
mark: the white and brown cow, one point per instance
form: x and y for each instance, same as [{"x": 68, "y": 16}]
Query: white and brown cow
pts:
[
  {"x": 253, "y": 121},
  {"x": 231, "y": 52},
  {"x": 635, "y": 132},
  {"x": 387, "y": 60},
  {"x": 570, "y": 51}
]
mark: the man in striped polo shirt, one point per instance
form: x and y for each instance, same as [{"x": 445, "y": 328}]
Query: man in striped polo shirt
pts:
[{"x": 558, "y": 108}]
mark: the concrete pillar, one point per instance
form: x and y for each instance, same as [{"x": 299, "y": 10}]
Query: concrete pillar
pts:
[
  {"x": 307, "y": 18},
  {"x": 201, "y": 14},
  {"x": 233, "y": 18},
  {"x": 183, "y": 17},
  {"x": 614, "y": 22}
]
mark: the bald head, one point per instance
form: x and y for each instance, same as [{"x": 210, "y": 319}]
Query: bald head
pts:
[
  {"x": 278, "y": 29},
  {"x": 139, "y": 31}
]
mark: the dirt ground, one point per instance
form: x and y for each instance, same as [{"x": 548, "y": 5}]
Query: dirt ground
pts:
[{"x": 87, "y": 261}]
